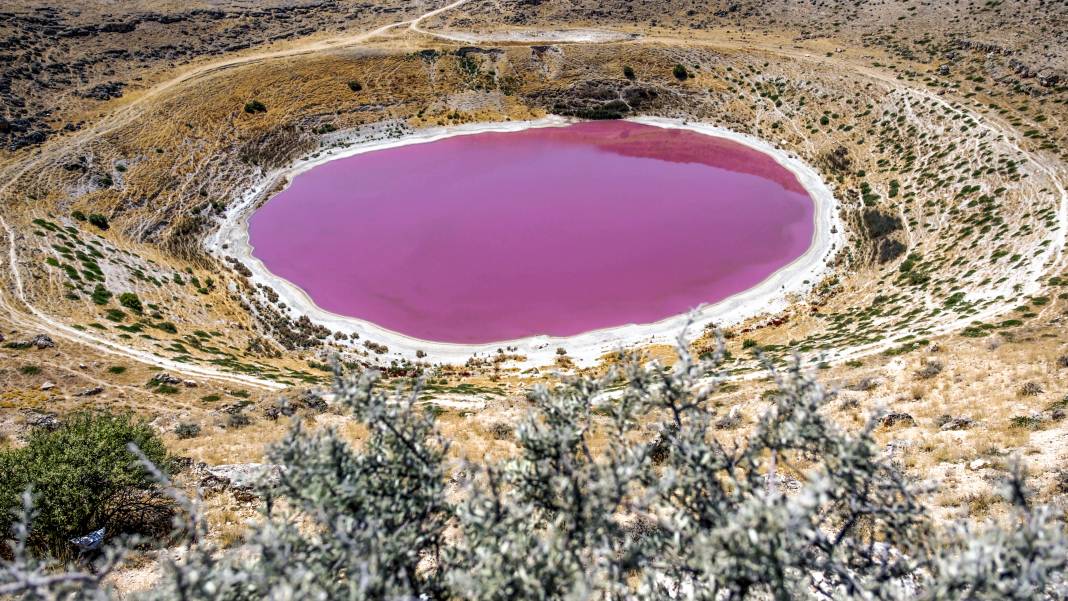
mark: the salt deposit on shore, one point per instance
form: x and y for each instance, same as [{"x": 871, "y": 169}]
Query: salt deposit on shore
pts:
[{"x": 769, "y": 296}]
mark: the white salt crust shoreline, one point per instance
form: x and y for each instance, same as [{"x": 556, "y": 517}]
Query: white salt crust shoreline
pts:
[{"x": 767, "y": 297}]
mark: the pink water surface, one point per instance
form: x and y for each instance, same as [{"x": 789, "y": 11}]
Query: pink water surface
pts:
[{"x": 496, "y": 236}]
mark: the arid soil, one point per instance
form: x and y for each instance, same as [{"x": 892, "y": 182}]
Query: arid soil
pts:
[{"x": 941, "y": 129}]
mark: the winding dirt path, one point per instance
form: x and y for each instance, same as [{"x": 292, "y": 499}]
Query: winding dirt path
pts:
[
  {"x": 20, "y": 312},
  {"x": 23, "y": 314}
]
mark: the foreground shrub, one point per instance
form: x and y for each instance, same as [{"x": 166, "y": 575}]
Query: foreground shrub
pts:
[
  {"x": 620, "y": 490},
  {"x": 83, "y": 478}
]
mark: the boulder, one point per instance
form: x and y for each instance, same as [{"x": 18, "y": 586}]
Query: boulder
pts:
[
  {"x": 948, "y": 423},
  {"x": 166, "y": 378},
  {"x": 45, "y": 421},
  {"x": 897, "y": 418},
  {"x": 242, "y": 479}
]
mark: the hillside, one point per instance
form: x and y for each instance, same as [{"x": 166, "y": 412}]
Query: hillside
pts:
[{"x": 130, "y": 148}]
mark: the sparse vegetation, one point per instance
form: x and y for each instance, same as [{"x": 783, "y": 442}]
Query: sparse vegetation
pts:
[
  {"x": 100, "y": 295},
  {"x": 577, "y": 512},
  {"x": 99, "y": 221},
  {"x": 186, "y": 430},
  {"x": 131, "y": 302},
  {"x": 255, "y": 106}
]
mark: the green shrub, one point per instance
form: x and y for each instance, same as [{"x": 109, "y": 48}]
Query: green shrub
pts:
[
  {"x": 78, "y": 215},
  {"x": 187, "y": 430},
  {"x": 1025, "y": 422},
  {"x": 29, "y": 370},
  {"x": 116, "y": 369},
  {"x": 115, "y": 315},
  {"x": 100, "y": 295},
  {"x": 237, "y": 420},
  {"x": 355, "y": 86},
  {"x": 592, "y": 508},
  {"x": 131, "y": 302},
  {"x": 83, "y": 478},
  {"x": 628, "y": 72},
  {"x": 680, "y": 73},
  {"x": 99, "y": 221},
  {"x": 255, "y": 106},
  {"x": 166, "y": 326}
]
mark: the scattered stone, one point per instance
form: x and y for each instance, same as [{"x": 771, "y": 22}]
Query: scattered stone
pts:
[
  {"x": 895, "y": 448},
  {"x": 91, "y": 391},
  {"x": 729, "y": 421},
  {"x": 947, "y": 423},
  {"x": 105, "y": 91},
  {"x": 930, "y": 369},
  {"x": 47, "y": 386},
  {"x": 283, "y": 407},
  {"x": 42, "y": 341},
  {"x": 1048, "y": 78},
  {"x": 311, "y": 399},
  {"x": 190, "y": 384},
  {"x": 235, "y": 408},
  {"x": 848, "y": 402},
  {"x": 781, "y": 483},
  {"x": 1060, "y": 481},
  {"x": 864, "y": 384},
  {"x": 978, "y": 464},
  {"x": 242, "y": 479},
  {"x": 891, "y": 420},
  {"x": 44, "y": 421},
  {"x": 182, "y": 463},
  {"x": 166, "y": 378}
]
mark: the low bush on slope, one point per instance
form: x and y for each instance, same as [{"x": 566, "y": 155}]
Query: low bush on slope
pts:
[
  {"x": 83, "y": 478},
  {"x": 618, "y": 490}
]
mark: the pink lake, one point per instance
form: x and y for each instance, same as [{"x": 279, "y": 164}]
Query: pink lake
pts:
[{"x": 562, "y": 230}]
